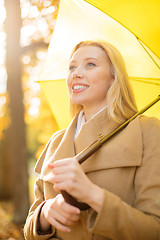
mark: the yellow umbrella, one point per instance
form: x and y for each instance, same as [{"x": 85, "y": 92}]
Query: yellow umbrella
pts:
[{"x": 133, "y": 27}]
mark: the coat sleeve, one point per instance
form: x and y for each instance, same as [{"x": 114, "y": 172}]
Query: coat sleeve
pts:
[
  {"x": 119, "y": 221},
  {"x": 31, "y": 228}
]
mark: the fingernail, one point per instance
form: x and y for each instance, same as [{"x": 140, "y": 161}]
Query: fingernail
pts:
[{"x": 50, "y": 166}]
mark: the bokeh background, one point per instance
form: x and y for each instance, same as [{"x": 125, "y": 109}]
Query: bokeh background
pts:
[{"x": 26, "y": 120}]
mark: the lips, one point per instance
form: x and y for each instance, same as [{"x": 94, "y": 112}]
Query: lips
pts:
[{"x": 78, "y": 87}]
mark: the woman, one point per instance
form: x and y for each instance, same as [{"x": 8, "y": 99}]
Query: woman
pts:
[{"x": 121, "y": 181}]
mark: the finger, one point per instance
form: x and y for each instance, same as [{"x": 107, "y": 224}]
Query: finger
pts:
[
  {"x": 60, "y": 169},
  {"x": 65, "y": 219},
  {"x": 56, "y": 214},
  {"x": 58, "y": 178},
  {"x": 64, "y": 177},
  {"x": 58, "y": 225},
  {"x": 62, "y": 186},
  {"x": 65, "y": 169},
  {"x": 72, "y": 216},
  {"x": 66, "y": 207},
  {"x": 63, "y": 162},
  {"x": 68, "y": 185}
]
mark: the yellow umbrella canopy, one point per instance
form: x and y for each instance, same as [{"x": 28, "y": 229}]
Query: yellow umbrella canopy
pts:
[
  {"x": 133, "y": 27},
  {"x": 141, "y": 17}
]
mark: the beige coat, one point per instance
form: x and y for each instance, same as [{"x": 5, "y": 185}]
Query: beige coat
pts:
[{"x": 128, "y": 169}]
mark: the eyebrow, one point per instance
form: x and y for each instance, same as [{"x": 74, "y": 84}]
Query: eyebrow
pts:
[
  {"x": 88, "y": 58},
  {"x": 91, "y": 58}
]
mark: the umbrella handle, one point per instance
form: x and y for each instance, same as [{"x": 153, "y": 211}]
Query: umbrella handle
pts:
[
  {"x": 71, "y": 200},
  {"x": 88, "y": 151},
  {"x": 81, "y": 157}
]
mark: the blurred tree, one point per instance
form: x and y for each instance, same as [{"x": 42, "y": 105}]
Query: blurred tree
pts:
[
  {"x": 21, "y": 18},
  {"x": 5, "y": 183},
  {"x": 17, "y": 141},
  {"x": 39, "y": 18}
]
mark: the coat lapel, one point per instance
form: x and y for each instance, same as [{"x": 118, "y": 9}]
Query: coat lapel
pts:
[{"x": 123, "y": 150}]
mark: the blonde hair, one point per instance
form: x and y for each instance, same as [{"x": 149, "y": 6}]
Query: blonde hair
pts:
[{"x": 120, "y": 97}]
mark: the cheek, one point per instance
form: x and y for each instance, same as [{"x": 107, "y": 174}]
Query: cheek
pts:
[
  {"x": 103, "y": 80},
  {"x": 102, "y": 85},
  {"x": 107, "y": 80}
]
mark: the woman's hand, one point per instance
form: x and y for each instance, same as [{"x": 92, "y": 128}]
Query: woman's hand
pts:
[
  {"x": 58, "y": 213},
  {"x": 69, "y": 176}
]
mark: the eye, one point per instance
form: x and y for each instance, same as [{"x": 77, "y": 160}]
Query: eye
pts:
[
  {"x": 72, "y": 67},
  {"x": 91, "y": 64}
]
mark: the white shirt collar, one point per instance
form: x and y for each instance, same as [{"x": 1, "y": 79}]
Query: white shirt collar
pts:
[{"x": 81, "y": 120}]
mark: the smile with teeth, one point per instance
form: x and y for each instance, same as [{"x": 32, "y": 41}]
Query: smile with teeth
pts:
[{"x": 79, "y": 87}]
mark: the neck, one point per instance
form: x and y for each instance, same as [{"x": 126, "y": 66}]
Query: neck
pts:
[{"x": 89, "y": 113}]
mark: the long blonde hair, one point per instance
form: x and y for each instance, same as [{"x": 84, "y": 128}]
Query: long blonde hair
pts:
[{"x": 120, "y": 97}]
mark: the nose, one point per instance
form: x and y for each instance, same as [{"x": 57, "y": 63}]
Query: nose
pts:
[{"x": 77, "y": 74}]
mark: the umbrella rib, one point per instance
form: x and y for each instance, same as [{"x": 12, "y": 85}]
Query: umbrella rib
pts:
[
  {"x": 146, "y": 80},
  {"x": 148, "y": 52},
  {"x": 94, "y": 5}
]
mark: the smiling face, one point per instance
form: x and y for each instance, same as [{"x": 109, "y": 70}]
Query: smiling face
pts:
[{"x": 89, "y": 77}]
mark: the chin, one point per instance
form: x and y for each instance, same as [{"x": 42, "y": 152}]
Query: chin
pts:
[{"x": 77, "y": 101}]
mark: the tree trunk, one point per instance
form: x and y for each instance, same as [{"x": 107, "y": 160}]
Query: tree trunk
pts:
[
  {"x": 17, "y": 147},
  {"x": 5, "y": 169}
]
